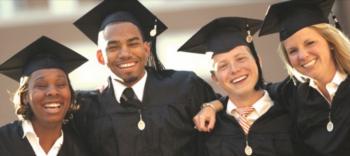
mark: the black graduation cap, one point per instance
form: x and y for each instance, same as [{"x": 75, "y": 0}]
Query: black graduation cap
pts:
[
  {"x": 222, "y": 35},
  {"x": 42, "y": 53},
  {"x": 110, "y": 11},
  {"x": 290, "y": 16}
]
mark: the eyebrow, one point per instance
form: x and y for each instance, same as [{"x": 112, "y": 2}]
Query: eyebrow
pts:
[
  {"x": 134, "y": 39},
  {"x": 43, "y": 78},
  {"x": 129, "y": 40}
]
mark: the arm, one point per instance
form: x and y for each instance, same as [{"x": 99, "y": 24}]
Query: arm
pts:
[{"x": 205, "y": 118}]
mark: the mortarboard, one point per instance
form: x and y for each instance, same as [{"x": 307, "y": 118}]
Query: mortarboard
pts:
[
  {"x": 290, "y": 16},
  {"x": 110, "y": 11},
  {"x": 222, "y": 35},
  {"x": 40, "y": 54}
]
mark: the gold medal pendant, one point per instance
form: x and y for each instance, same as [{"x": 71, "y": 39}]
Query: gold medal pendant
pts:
[
  {"x": 248, "y": 150},
  {"x": 141, "y": 125},
  {"x": 330, "y": 126}
]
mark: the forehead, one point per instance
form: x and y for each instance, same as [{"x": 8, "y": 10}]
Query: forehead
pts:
[
  {"x": 49, "y": 73},
  {"x": 305, "y": 32},
  {"x": 121, "y": 30},
  {"x": 237, "y": 51}
]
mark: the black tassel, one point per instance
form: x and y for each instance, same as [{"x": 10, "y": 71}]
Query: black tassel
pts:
[
  {"x": 336, "y": 22},
  {"x": 154, "y": 60}
]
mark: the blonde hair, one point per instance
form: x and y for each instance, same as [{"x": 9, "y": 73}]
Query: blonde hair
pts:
[{"x": 339, "y": 46}]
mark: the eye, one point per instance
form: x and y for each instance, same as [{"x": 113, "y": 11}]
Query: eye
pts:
[
  {"x": 292, "y": 51},
  {"x": 222, "y": 67},
  {"x": 40, "y": 86},
  {"x": 310, "y": 43},
  {"x": 61, "y": 85},
  {"x": 241, "y": 59},
  {"x": 133, "y": 44},
  {"x": 113, "y": 48}
]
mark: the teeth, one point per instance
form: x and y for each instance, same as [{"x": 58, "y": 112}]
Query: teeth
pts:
[
  {"x": 239, "y": 79},
  {"x": 126, "y": 65},
  {"x": 53, "y": 105},
  {"x": 309, "y": 64}
]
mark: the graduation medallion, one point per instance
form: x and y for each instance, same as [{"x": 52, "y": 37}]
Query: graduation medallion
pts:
[
  {"x": 141, "y": 125},
  {"x": 248, "y": 150},
  {"x": 330, "y": 126}
]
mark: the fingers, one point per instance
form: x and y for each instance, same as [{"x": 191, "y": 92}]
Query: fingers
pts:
[
  {"x": 211, "y": 123},
  {"x": 205, "y": 120}
]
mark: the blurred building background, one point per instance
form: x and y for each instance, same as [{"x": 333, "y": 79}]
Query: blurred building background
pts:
[{"x": 23, "y": 21}]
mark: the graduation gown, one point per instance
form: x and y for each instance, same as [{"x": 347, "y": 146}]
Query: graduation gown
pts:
[
  {"x": 268, "y": 136},
  {"x": 171, "y": 99},
  {"x": 12, "y": 143},
  {"x": 311, "y": 114}
]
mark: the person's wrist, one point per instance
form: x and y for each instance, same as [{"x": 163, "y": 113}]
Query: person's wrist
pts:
[{"x": 210, "y": 105}]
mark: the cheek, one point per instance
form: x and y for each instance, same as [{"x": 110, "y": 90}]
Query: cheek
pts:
[
  {"x": 35, "y": 95},
  {"x": 222, "y": 78},
  {"x": 293, "y": 61},
  {"x": 66, "y": 94}
]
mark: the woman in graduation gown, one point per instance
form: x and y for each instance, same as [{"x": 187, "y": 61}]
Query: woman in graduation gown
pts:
[
  {"x": 318, "y": 55},
  {"x": 251, "y": 123},
  {"x": 44, "y": 101}
]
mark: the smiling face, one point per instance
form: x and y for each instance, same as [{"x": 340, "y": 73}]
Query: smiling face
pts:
[
  {"x": 309, "y": 53},
  {"x": 49, "y": 96},
  {"x": 236, "y": 71},
  {"x": 126, "y": 53}
]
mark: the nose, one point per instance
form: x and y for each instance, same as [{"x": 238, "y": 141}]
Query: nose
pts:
[
  {"x": 124, "y": 52},
  {"x": 52, "y": 91},
  {"x": 303, "y": 53},
  {"x": 234, "y": 68}
]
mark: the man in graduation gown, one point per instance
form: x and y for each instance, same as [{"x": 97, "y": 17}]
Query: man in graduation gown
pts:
[
  {"x": 252, "y": 123},
  {"x": 143, "y": 110}
]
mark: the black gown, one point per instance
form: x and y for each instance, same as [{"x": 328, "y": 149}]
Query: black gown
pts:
[
  {"x": 12, "y": 143},
  {"x": 310, "y": 111},
  {"x": 171, "y": 99},
  {"x": 268, "y": 136}
]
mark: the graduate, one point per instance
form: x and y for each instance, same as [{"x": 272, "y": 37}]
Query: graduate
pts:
[
  {"x": 145, "y": 109},
  {"x": 252, "y": 123},
  {"x": 317, "y": 56},
  {"x": 44, "y": 101}
]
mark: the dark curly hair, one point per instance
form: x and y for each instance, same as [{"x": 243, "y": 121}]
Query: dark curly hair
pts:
[{"x": 23, "y": 109}]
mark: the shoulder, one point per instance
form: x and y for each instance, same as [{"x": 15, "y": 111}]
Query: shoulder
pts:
[
  {"x": 10, "y": 128},
  {"x": 86, "y": 96},
  {"x": 169, "y": 73},
  {"x": 11, "y": 133},
  {"x": 173, "y": 76},
  {"x": 72, "y": 143}
]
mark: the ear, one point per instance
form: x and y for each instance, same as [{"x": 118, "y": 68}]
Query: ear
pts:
[
  {"x": 25, "y": 99},
  {"x": 213, "y": 76},
  {"x": 147, "y": 47},
  {"x": 99, "y": 56}
]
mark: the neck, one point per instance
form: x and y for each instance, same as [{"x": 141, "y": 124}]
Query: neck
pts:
[
  {"x": 322, "y": 82},
  {"x": 47, "y": 133},
  {"x": 247, "y": 99}
]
